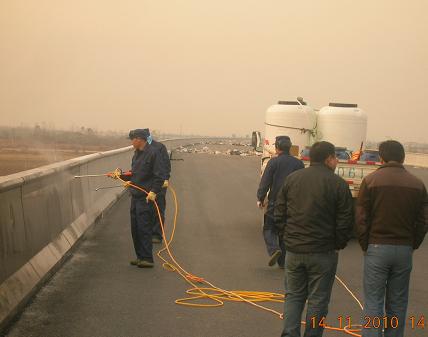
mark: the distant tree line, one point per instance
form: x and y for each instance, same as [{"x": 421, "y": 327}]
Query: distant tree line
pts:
[
  {"x": 78, "y": 137},
  {"x": 82, "y": 136}
]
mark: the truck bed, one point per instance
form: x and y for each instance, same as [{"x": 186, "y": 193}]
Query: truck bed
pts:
[{"x": 352, "y": 171}]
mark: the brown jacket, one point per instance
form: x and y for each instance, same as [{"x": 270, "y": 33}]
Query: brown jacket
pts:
[{"x": 392, "y": 208}]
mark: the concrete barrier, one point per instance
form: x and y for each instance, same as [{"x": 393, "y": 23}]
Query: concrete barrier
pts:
[{"x": 44, "y": 212}]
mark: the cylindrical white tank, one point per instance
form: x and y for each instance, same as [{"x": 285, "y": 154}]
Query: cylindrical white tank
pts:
[
  {"x": 289, "y": 118},
  {"x": 344, "y": 125}
]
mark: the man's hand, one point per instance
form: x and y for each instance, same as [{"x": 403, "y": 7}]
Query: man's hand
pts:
[
  {"x": 260, "y": 204},
  {"x": 165, "y": 184},
  {"x": 151, "y": 196}
]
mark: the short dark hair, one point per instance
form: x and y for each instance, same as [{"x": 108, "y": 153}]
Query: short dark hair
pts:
[
  {"x": 320, "y": 151},
  {"x": 283, "y": 143},
  {"x": 391, "y": 150}
]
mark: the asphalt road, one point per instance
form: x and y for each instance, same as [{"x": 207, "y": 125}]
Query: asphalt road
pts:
[{"x": 97, "y": 293}]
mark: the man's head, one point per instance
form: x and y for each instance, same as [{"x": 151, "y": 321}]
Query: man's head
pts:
[
  {"x": 323, "y": 153},
  {"x": 138, "y": 138},
  {"x": 391, "y": 150},
  {"x": 282, "y": 144}
]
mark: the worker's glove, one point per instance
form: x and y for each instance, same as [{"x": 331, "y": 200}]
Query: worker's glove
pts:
[
  {"x": 127, "y": 174},
  {"x": 151, "y": 196},
  {"x": 260, "y": 204},
  {"x": 165, "y": 184},
  {"x": 115, "y": 174}
]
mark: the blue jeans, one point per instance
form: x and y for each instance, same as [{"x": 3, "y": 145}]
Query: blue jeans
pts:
[
  {"x": 142, "y": 221},
  {"x": 308, "y": 277},
  {"x": 386, "y": 289},
  {"x": 273, "y": 239}
]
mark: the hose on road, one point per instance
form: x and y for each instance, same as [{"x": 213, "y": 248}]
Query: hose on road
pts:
[{"x": 203, "y": 289}]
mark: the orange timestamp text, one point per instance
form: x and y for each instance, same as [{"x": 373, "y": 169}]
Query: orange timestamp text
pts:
[{"x": 372, "y": 322}]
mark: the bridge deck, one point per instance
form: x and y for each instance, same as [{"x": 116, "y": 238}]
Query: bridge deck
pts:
[{"x": 97, "y": 293}]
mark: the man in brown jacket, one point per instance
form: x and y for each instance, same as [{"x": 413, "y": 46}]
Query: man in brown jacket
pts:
[{"x": 392, "y": 220}]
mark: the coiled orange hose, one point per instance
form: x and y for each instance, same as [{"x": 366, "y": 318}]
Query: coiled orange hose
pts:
[{"x": 217, "y": 295}]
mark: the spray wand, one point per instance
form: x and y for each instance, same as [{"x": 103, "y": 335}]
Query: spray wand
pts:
[{"x": 116, "y": 174}]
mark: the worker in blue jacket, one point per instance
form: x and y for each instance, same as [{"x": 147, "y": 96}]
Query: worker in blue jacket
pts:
[
  {"x": 277, "y": 169},
  {"x": 147, "y": 173},
  {"x": 161, "y": 196}
]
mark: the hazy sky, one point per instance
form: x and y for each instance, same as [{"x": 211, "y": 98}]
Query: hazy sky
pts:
[{"x": 212, "y": 67}]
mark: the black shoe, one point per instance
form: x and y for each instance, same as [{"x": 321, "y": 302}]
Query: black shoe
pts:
[
  {"x": 145, "y": 264},
  {"x": 274, "y": 258},
  {"x": 134, "y": 262}
]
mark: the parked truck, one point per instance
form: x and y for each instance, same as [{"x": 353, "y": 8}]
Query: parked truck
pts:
[{"x": 344, "y": 125}]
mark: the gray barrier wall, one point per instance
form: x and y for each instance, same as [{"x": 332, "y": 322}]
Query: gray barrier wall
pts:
[{"x": 44, "y": 211}]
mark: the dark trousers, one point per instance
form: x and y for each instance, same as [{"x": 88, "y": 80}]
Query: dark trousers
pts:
[
  {"x": 308, "y": 277},
  {"x": 161, "y": 200},
  {"x": 142, "y": 220},
  {"x": 273, "y": 239}
]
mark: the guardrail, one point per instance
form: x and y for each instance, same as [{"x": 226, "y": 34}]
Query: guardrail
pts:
[{"x": 44, "y": 212}]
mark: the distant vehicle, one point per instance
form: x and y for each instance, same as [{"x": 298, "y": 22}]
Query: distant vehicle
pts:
[
  {"x": 342, "y": 153},
  {"x": 370, "y": 155},
  {"x": 305, "y": 152}
]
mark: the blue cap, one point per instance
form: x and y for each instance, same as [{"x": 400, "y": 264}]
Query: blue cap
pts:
[{"x": 139, "y": 133}]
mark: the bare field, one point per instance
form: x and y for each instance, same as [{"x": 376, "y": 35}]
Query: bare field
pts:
[
  {"x": 25, "y": 148},
  {"x": 17, "y": 160}
]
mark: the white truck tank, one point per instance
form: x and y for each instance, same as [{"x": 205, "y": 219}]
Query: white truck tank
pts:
[
  {"x": 344, "y": 125},
  {"x": 290, "y": 118}
]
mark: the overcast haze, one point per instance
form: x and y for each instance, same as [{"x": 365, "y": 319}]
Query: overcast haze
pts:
[{"x": 212, "y": 67}]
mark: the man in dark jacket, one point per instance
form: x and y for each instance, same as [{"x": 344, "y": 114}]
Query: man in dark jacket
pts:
[
  {"x": 392, "y": 220},
  {"x": 146, "y": 173},
  {"x": 314, "y": 208},
  {"x": 161, "y": 196},
  {"x": 277, "y": 169}
]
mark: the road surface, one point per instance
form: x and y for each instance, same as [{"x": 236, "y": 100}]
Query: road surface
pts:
[{"x": 97, "y": 293}]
